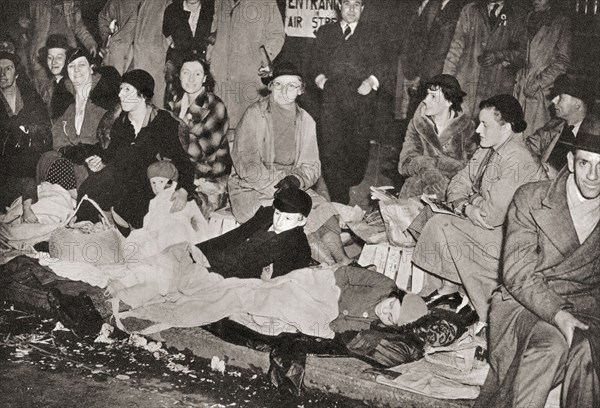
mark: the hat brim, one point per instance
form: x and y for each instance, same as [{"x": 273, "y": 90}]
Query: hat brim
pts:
[{"x": 590, "y": 147}]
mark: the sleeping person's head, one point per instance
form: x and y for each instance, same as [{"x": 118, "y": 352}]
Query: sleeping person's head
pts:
[
  {"x": 162, "y": 175},
  {"x": 400, "y": 308},
  {"x": 292, "y": 207}
]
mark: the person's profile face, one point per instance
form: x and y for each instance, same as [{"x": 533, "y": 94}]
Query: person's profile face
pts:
[
  {"x": 435, "y": 102},
  {"x": 351, "y": 10},
  {"x": 490, "y": 128},
  {"x": 388, "y": 311},
  {"x": 129, "y": 97},
  {"x": 158, "y": 184},
  {"x": 585, "y": 167},
  {"x": 283, "y": 221},
  {"x": 56, "y": 60},
  {"x": 564, "y": 105},
  {"x": 192, "y": 77}
]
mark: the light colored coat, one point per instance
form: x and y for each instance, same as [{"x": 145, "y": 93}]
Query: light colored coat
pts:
[
  {"x": 255, "y": 173},
  {"x": 120, "y": 48},
  {"x": 546, "y": 269},
  {"x": 150, "y": 50},
  {"x": 548, "y": 55},
  {"x": 472, "y": 38},
  {"x": 242, "y": 27}
]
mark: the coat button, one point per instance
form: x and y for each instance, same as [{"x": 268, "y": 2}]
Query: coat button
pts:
[
  {"x": 345, "y": 313},
  {"x": 365, "y": 315}
]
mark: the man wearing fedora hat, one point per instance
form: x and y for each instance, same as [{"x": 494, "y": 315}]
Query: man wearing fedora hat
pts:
[
  {"x": 545, "y": 320},
  {"x": 54, "y": 92},
  {"x": 572, "y": 101}
]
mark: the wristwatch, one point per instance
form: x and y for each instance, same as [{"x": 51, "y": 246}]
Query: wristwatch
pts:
[{"x": 460, "y": 209}]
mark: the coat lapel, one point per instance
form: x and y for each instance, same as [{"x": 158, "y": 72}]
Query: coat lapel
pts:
[{"x": 554, "y": 218}]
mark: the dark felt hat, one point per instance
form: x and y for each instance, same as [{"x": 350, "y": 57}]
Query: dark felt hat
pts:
[
  {"x": 566, "y": 84},
  {"x": 54, "y": 41},
  {"x": 588, "y": 137},
  {"x": 293, "y": 200},
  {"x": 10, "y": 56},
  {"x": 74, "y": 53},
  {"x": 286, "y": 68},
  {"x": 446, "y": 81},
  {"x": 510, "y": 109},
  {"x": 140, "y": 80}
]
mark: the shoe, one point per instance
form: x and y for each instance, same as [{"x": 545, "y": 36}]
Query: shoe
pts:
[
  {"x": 432, "y": 296},
  {"x": 449, "y": 301}
]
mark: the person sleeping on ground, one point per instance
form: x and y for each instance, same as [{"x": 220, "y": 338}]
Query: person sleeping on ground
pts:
[
  {"x": 318, "y": 301},
  {"x": 271, "y": 243}
]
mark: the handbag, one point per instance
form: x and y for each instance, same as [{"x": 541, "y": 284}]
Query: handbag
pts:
[{"x": 102, "y": 246}]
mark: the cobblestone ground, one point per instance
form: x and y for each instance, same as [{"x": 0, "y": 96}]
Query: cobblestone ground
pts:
[{"x": 43, "y": 364}]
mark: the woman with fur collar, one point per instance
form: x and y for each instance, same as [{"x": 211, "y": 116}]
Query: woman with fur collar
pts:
[
  {"x": 439, "y": 141},
  {"x": 75, "y": 133},
  {"x": 204, "y": 136}
]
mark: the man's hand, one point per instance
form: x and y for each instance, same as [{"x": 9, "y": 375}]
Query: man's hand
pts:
[
  {"x": 366, "y": 87},
  {"x": 29, "y": 216},
  {"x": 93, "y": 50},
  {"x": 567, "y": 323},
  {"x": 487, "y": 59},
  {"x": 95, "y": 163},
  {"x": 179, "y": 199},
  {"x": 477, "y": 216},
  {"x": 320, "y": 81},
  {"x": 551, "y": 172}
]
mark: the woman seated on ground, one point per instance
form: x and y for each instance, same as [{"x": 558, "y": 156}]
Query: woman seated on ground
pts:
[
  {"x": 270, "y": 244},
  {"x": 439, "y": 141},
  {"x": 275, "y": 147},
  {"x": 24, "y": 136},
  {"x": 141, "y": 133},
  {"x": 74, "y": 133},
  {"x": 206, "y": 122}
]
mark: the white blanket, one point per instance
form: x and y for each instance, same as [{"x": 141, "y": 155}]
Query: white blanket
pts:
[
  {"x": 54, "y": 206},
  {"x": 180, "y": 292},
  {"x": 162, "y": 228}
]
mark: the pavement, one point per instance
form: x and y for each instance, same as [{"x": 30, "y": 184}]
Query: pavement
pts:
[{"x": 339, "y": 375}]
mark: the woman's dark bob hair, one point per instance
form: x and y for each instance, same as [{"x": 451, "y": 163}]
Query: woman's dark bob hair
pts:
[{"x": 209, "y": 82}]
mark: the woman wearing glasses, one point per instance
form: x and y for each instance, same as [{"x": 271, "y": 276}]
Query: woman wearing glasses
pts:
[
  {"x": 275, "y": 147},
  {"x": 204, "y": 138}
]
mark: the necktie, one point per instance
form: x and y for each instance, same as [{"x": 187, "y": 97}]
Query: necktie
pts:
[
  {"x": 347, "y": 32},
  {"x": 481, "y": 171},
  {"x": 492, "y": 16},
  {"x": 558, "y": 156}
]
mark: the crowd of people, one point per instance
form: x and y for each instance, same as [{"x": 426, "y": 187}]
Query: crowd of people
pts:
[{"x": 180, "y": 111}]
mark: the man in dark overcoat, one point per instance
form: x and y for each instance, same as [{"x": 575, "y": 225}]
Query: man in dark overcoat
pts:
[
  {"x": 545, "y": 319},
  {"x": 346, "y": 67}
]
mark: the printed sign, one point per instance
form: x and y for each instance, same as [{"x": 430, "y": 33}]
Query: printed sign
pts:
[{"x": 304, "y": 17}]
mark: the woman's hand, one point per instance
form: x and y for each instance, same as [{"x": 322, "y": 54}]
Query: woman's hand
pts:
[
  {"x": 95, "y": 163},
  {"x": 29, "y": 216},
  {"x": 179, "y": 199},
  {"x": 477, "y": 216}
]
